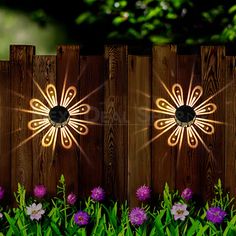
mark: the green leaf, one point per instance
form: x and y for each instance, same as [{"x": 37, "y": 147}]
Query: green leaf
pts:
[
  {"x": 12, "y": 223},
  {"x": 171, "y": 16},
  {"x": 90, "y": 2},
  {"x": 118, "y": 20},
  {"x": 232, "y": 9},
  {"x": 48, "y": 232},
  {"x": 84, "y": 17},
  {"x": 55, "y": 228}
]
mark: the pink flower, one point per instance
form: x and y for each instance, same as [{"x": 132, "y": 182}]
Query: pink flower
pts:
[
  {"x": 40, "y": 191},
  {"x": 35, "y": 211},
  {"x": 187, "y": 194},
  {"x": 98, "y": 194},
  {"x": 179, "y": 211},
  {"x": 143, "y": 193},
  {"x": 2, "y": 192},
  {"x": 71, "y": 198}
]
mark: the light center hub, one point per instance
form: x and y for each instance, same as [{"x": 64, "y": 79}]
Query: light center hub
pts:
[
  {"x": 59, "y": 116},
  {"x": 185, "y": 116}
]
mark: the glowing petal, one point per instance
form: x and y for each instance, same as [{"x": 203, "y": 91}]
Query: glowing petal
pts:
[
  {"x": 175, "y": 136},
  {"x": 206, "y": 109},
  {"x": 165, "y": 106},
  {"x": 178, "y": 94},
  {"x": 195, "y": 95},
  {"x": 163, "y": 123},
  {"x": 205, "y": 127},
  {"x": 65, "y": 138},
  {"x": 79, "y": 110},
  {"x": 69, "y": 96},
  {"x": 48, "y": 138},
  {"x": 38, "y": 123},
  {"x": 37, "y": 105},
  {"x": 52, "y": 95},
  {"x": 191, "y": 137},
  {"x": 78, "y": 127}
]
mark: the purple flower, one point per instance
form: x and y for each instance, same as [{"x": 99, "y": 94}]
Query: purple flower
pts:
[
  {"x": 71, "y": 198},
  {"x": 40, "y": 191},
  {"x": 215, "y": 215},
  {"x": 2, "y": 192},
  {"x": 143, "y": 193},
  {"x": 137, "y": 216},
  {"x": 179, "y": 211},
  {"x": 187, "y": 194},
  {"x": 81, "y": 218},
  {"x": 98, "y": 194}
]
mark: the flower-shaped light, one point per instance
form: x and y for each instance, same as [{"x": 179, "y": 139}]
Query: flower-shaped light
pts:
[
  {"x": 185, "y": 116},
  {"x": 58, "y": 116}
]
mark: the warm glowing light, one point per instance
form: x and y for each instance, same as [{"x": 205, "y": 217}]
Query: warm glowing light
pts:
[
  {"x": 58, "y": 117},
  {"x": 184, "y": 116}
]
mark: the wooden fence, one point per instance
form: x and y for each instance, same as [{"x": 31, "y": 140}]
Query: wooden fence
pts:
[{"x": 118, "y": 86}]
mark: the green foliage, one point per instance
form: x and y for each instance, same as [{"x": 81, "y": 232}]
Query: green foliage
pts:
[
  {"x": 112, "y": 218},
  {"x": 162, "y": 21}
]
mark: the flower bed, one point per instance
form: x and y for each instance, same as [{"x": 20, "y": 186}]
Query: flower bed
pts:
[{"x": 171, "y": 214}]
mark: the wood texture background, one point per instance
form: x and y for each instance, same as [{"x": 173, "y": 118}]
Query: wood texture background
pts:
[{"x": 118, "y": 153}]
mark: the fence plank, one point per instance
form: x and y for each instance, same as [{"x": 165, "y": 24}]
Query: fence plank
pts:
[
  {"x": 68, "y": 68},
  {"x": 139, "y": 95},
  {"x": 115, "y": 129},
  {"x": 188, "y": 172},
  {"x": 21, "y": 59},
  {"x": 44, "y": 171},
  {"x": 163, "y": 156},
  {"x": 213, "y": 77},
  {"x": 5, "y": 128},
  {"x": 91, "y": 86},
  {"x": 230, "y": 131}
]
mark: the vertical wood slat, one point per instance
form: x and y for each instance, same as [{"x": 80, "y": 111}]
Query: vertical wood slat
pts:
[
  {"x": 5, "y": 127},
  {"x": 115, "y": 127},
  {"x": 44, "y": 171},
  {"x": 213, "y": 78},
  {"x": 91, "y": 86},
  {"x": 163, "y": 157},
  {"x": 230, "y": 130},
  {"x": 68, "y": 68},
  {"x": 21, "y": 61},
  {"x": 188, "y": 172},
  {"x": 139, "y": 95}
]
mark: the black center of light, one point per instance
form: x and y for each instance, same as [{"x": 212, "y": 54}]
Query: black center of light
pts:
[
  {"x": 59, "y": 114},
  {"x": 185, "y": 114}
]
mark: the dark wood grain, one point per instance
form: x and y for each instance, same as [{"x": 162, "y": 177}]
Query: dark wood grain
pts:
[
  {"x": 188, "y": 171},
  {"x": 163, "y": 157},
  {"x": 115, "y": 122},
  {"x": 5, "y": 128},
  {"x": 21, "y": 61},
  {"x": 213, "y": 79},
  {"x": 91, "y": 85},
  {"x": 230, "y": 131},
  {"x": 44, "y": 169},
  {"x": 139, "y": 96},
  {"x": 67, "y": 159}
]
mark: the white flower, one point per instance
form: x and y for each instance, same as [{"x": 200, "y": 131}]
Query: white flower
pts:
[
  {"x": 1, "y": 215},
  {"x": 179, "y": 211},
  {"x": 35, "y": 211}
]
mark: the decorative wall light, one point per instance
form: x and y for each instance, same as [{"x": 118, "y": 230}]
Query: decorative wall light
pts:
[
  {"x": 58, "y": 117},
  {"x": 185, "y": 116}
]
